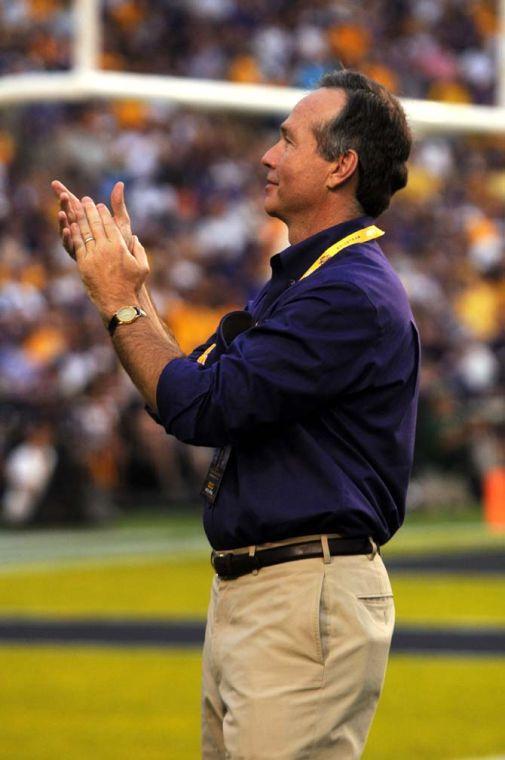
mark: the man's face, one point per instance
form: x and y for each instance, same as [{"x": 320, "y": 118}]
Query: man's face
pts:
[{"x": 297, "y": 174}]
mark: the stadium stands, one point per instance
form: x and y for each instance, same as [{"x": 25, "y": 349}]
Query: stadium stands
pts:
[
  {"x": 423, "y": 49},
  {"x": 35, "y": 35},
  {"x": 434, "y": 49},
  {"x": 194, "y": 188}
]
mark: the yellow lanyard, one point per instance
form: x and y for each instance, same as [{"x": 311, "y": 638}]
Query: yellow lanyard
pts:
[
  {"x": 361, "y": 236},
  {"x": 203, "y": 357}
]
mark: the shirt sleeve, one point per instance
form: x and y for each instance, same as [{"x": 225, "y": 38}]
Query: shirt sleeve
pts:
[
  {"x": 319, "y": 343},
  {"x": 199, "y": 350},
  {"x": 193, "y": 356}
]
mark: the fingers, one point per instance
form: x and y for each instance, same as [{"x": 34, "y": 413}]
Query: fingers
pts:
[
  {"x": 65, "y": 235},
  {"x": 140, "y": 253},
  {"x": 68, "y": 201},
  {"x": 121, "y": 216},
  {"x": 88, "y": 235},
  {"x": 93, "y": 219},
  {"x": 109, "y": 225},
  {"x": 58, "y": 188},
  {"x": 100, "y": 222},
  {"x": 68, "y": 245},
  {"x": 63, "y": 222},
  {"x": 87, "y": 217},
  {"x": 95, "y": 223},
  {"x": 77, "y": 241},
  {"x": 68, "y": 207},
  {"x": 140, "y": 256},
  {"x": 118, "y": 202}
]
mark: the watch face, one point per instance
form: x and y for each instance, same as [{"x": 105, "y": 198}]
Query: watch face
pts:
[{"x": 127, "y": 314}]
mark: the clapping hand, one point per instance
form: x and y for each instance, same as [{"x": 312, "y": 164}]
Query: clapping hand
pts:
[
  {"x": 69, "y": 203},
  {"x": 112, "y": 276},
  {"x": 113, "y": 267},
  {"x": 69, "y": 206}
]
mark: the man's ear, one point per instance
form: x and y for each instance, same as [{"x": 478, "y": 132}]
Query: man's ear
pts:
[{"x": 342, "y": 169}]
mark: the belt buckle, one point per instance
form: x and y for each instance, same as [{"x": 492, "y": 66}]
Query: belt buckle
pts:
[{"x": 227, "y": 558}]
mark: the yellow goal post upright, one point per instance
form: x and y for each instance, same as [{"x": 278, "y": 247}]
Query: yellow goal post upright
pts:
[{"x": 86, "y": 81}]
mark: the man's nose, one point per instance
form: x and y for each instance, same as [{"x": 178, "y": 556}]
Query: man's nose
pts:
[{"x": 268, "y": 158}]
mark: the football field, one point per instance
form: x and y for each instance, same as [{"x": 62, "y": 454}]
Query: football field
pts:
[{"x": 75, "y": 695}]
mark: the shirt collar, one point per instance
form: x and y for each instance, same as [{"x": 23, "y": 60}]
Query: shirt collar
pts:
[{"x": 296, "y": 259}]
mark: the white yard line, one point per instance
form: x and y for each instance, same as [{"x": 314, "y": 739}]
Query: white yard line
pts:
[
  {"x": 53, "y": 548},
  {"x": 29, "y": 553}
]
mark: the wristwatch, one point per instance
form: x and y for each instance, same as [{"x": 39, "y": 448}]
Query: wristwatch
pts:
[{"x": 125, "y": 316}]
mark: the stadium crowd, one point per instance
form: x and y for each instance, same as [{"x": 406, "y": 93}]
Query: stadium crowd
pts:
[
  {"x": 194, "y": 189},
  {"x": 440, "y": 49},
  {"x": 74, "y": 437},
  {"x": 35, "y": 35}
]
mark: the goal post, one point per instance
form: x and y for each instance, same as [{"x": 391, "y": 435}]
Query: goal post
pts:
[
  {"x": 425, "y": 116},
  {"x": 87, "y": 81},
  {"x": 88, "y": 35}
]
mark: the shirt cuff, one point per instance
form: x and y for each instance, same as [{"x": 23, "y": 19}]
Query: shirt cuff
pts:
[{"x": 181, "y": 384}]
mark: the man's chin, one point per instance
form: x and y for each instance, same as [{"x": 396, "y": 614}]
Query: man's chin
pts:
[{"x": 272, "y": 209}]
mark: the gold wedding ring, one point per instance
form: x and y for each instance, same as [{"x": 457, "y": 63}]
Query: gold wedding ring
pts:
[{"x": 86, "y": 240}]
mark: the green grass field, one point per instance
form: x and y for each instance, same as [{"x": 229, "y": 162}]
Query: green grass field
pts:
[
  {"x": 77, "y": 703},
  {"x": 80, "y": 703}
]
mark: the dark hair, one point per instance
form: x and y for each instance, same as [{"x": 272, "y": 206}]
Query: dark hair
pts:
[{"x": 374, "y": 124}]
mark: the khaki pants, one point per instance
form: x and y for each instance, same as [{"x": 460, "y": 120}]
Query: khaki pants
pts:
[{"x": 294, "y": 660}]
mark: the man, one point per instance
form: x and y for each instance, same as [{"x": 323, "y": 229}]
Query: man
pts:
[{"x": 309, "y": 397}]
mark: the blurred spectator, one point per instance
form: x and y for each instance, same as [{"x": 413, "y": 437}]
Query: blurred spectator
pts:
[
  {"x": 35, "y": 35},
  {"x": 440, "y": 49},
  {"x": 28, "y": 471}
]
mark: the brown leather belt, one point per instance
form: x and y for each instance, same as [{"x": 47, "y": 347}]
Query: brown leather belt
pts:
[{"x": 229, "y": 565}]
